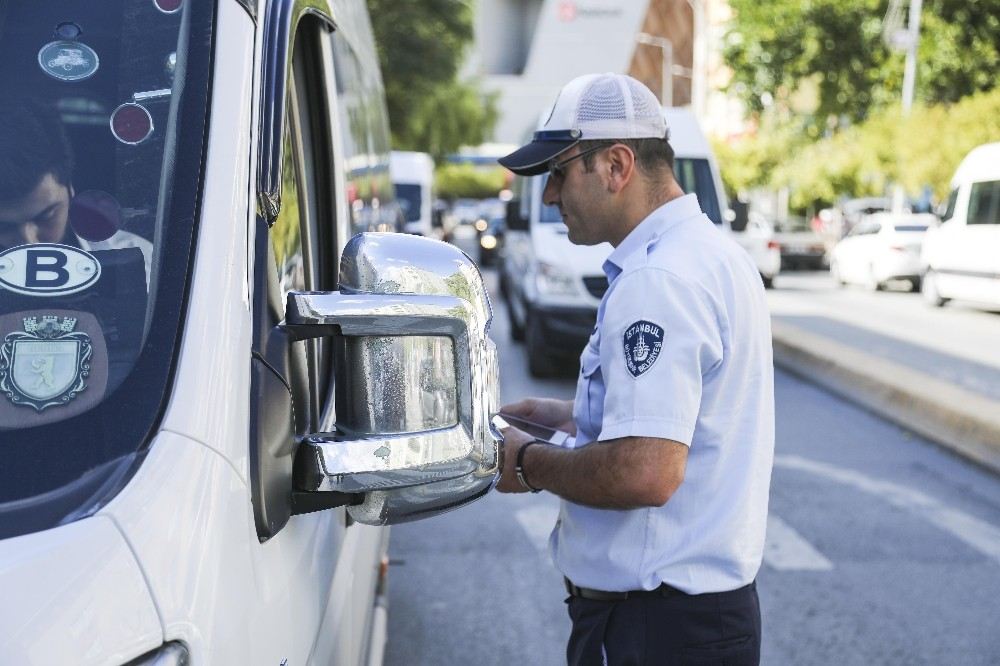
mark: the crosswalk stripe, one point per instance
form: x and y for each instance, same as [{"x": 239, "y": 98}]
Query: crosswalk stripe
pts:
[
  {"x": 978, "y": 534},
  {"x": 787, "y": 550}
]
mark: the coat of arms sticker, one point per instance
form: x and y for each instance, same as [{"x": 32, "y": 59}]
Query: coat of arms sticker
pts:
[{"x": 45, "y": 365}]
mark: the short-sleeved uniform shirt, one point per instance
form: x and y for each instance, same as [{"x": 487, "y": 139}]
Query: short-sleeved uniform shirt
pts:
[{"x": 681, "y": 351}]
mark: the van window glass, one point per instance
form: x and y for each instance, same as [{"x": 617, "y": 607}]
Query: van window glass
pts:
[
  {"x": 410, "y": 199},
  {"x": 98, "y": 203},
  {"x": 286, "y": 233},
  {"x": 984, "y": 203},
  {"x": 364, "y": 132},
  {"x": 693, "y": 175}
]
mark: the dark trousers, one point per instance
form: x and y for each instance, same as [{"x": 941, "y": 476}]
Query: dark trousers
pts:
[{"x": 722, "y": 629}]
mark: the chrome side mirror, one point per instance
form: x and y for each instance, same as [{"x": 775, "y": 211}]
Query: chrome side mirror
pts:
[{"x": 415, "y": 380}]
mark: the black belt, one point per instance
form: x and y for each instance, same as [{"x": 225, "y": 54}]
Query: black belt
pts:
[{"x": 663, "y": 590}]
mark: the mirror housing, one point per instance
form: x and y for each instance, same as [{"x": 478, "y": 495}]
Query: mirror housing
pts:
[
  {"x": 515, "y": 221},
  {"x": 415, "y": 380}
]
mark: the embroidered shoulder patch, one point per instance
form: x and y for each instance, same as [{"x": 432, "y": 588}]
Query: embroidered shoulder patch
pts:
[{"x": 642, "y": 343}]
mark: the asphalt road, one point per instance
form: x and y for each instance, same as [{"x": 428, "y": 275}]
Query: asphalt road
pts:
[
  {"x": 882, "y": 549},
  {"x": 956, "y": 343}
]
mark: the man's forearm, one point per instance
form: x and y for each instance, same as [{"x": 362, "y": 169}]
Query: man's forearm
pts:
[{"x": 622, "y": 474}]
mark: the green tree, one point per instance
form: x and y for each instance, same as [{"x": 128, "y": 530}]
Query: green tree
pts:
[
  {"x": 420, "y": 45},
  {"x": 825, "y": 59}
]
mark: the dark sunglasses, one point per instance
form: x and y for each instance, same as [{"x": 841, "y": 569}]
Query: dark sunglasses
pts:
[{"x": 557, "y": 170}]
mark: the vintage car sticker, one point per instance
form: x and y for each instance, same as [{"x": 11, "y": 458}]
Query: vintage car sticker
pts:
[
  {"x": 68, "y": 60},
  {"x": 47, "y": 269},
  {"x": 642, "y": 343},
  {"x": 46, "y": 365}
]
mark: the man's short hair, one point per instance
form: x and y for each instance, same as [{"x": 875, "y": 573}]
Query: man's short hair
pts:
[
  {"x": 652, "y": 156},
  {"x": 33, "y": 143}
]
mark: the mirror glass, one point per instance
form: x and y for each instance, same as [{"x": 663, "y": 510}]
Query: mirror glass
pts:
[{"x": 395, "y": 384}]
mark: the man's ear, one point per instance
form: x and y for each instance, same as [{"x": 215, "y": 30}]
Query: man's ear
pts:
[{"x": 622, "y": 167}]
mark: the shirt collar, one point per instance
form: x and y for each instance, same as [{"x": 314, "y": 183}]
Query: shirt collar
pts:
[{"x": 652, "y": 227}]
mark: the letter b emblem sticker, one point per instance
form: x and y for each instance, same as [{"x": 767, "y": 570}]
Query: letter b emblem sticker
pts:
[{"x": 47, "y": 269}]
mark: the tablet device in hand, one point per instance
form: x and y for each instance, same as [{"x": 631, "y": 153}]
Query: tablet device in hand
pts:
[{"x": 537, "y": 430}]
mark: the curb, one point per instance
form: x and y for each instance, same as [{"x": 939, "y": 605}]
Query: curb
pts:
[{"x": 958, "y": 419}]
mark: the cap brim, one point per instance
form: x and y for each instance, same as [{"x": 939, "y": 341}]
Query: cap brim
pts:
[{"x": 533, "y": 159}]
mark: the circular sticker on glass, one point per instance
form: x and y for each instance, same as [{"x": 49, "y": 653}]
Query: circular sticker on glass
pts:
[{"x": 68, "y": 61}]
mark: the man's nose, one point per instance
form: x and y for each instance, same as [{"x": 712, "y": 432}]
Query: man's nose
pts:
[{"x": 550, "y": 195}]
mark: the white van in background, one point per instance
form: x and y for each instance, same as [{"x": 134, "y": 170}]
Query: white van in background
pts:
[
  {"x": 552, "y": 288},
  {"x": 962, "y": 256},
  {"x": 413, "y": 180}
]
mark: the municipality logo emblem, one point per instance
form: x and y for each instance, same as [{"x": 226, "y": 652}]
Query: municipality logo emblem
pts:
[
  {"x": 47, "y": 364},
  {"x": 642, "y": 343}
]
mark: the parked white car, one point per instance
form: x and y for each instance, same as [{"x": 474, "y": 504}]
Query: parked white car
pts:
[
  {"x": 880, "y": 248},
  {"x": 198, "y": 468},
  {"x": 759, "y": 242},
  {"x": 962, "y": 257}
]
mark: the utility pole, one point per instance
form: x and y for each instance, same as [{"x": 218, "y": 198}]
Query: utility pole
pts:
[{"x": 904, "y": 39}]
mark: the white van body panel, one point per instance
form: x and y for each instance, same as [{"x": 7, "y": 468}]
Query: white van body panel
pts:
[
  {"x": 81, "y": 598},
  {"x": 213, "y": 356},
  {"x": 416, "y": 169},
  {"x": 962, "y": 259}
]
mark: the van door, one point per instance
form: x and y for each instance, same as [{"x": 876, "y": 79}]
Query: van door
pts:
[
  {"x": 981, "y": 241},
  {"x": 299, "y": 554}
]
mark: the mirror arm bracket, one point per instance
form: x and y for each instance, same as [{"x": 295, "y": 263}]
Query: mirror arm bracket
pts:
[{"x": 305, "y": 502}]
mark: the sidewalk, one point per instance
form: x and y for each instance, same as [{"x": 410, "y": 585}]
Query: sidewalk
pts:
[{"x": 923, "y": 387}]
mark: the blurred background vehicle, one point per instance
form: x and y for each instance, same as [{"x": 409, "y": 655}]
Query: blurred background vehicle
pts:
[
  {"x": 849, "y": 212},
  {"x": 413, "y": 181},
  {"x": 490, "y": 241},
  {"x": 962, "y": 256},
  {"x": 800, "y": 245},
  {"x": 462, "y": 218},
  {"x": 881, "y": 248},
  {"x": 756, "y": 235}
]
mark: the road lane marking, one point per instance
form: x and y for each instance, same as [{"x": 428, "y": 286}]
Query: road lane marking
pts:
[
  {"x": 537, "y": 522},
  {"x": 787, "y": 550},
  {"x": 978, "y": 534}
]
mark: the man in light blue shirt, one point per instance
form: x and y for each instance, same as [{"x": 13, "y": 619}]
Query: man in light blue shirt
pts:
[{"x": 665, "y": 489}]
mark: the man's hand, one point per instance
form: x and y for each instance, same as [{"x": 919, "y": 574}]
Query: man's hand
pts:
[
  {"x": 513, "y": 440},
  {"x": 546, "y": 411}
]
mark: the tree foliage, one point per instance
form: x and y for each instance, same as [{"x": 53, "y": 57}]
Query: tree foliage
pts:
[
  {"x": 825, "y": 59},
  {"x": 420, "y": 45},
  {"x": 454, "y": 181},
  {"x": 919, "y": 151}
]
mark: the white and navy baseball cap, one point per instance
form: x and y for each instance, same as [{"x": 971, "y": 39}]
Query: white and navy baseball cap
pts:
[{"x": 591, "y": 107}]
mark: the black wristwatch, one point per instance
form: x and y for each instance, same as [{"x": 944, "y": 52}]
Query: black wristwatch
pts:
[{"x": 519, "y": 465}]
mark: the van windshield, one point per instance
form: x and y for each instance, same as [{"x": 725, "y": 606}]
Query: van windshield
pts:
[
  {"x": 693, "y": 175},
  {"x": 97, "y": 210}
]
